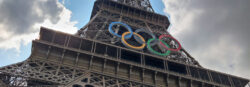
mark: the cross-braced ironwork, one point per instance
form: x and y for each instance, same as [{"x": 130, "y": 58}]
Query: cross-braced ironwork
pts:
[
  {"x": 95, "y": 58},
  {"x": 105, "y": 12},
  {"x": 141, "y": 4}
]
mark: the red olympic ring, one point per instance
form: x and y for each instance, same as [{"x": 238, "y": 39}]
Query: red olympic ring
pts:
[{"x": 164, "y": 35}]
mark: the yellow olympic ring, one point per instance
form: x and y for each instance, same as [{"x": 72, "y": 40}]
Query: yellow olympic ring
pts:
[{"x": 131, "y": 46}]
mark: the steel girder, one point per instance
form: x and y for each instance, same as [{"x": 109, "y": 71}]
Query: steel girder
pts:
[{"x": 35, "y": 72}]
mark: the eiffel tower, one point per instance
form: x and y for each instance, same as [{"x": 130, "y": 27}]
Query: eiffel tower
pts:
[{"x": 97, "y": 57}]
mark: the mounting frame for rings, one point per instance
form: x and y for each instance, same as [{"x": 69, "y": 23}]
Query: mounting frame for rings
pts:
[
  {"x": 145, "y": 31},
  {"x": 124, "y": 42},
  {"x": 155, "y": 52},
  {"x": 168, "y": 48},
  {"x": 122, "y": 24}
]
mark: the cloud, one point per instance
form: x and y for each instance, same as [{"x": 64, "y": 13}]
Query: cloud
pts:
[
  {"x": 215, "y": 32},
  {"x": 20, "y": 20}
]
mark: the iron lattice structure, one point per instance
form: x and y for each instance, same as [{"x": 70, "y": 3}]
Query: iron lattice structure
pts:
[
  {"x": 94, "y": 58},
  {"x": 106, "y": 12},
  {"x": 140, "y": 4}
]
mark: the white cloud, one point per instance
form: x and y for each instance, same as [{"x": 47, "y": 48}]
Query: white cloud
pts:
[
  {"x": 15, "y": 41},
  {"x": 64, "y": 24},
  {"x": 220, "y": 55},
  {"x": 181, "y": 18},
  {"x": 21, "y": 21},
  {"x": 215, "y": 32}
]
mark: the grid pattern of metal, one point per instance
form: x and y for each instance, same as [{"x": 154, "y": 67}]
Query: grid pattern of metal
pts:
[
  {"x": 141, "y": 4},
  {"x": 94, "y": 58},
  {"x": 71, "y": 61},
  {"x": 105, "y": 12}
]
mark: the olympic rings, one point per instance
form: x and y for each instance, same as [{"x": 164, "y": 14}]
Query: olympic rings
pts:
[
  {"x": 155, "y": 52},
  {"x": 138, "y": 38},
  {"x": 168, "y": 48},
  {"x": 122, "y": 24},
  {"x": 131, "y": 46}
]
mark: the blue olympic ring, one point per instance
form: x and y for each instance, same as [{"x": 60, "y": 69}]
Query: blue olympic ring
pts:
[{"x": 124, "y": 25}]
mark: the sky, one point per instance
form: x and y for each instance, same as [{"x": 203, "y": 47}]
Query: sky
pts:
[{"x": 215, "y": 32}]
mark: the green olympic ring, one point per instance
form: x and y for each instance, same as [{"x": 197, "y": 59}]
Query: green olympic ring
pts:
[{"x": 155, "y": 52}]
